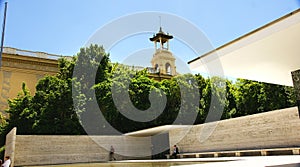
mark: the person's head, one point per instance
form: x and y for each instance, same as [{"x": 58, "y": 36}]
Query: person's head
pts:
[
  {"x": 6, "y": 157},
  {"x": 174, "y": 145}
]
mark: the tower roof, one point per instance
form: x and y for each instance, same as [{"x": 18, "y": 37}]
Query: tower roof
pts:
[{"x": 161, "y": 35}]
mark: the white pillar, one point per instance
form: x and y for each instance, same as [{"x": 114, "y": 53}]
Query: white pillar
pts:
[
  {"x": 161, "y": 46},
  {"x": 168, "y": 45}
]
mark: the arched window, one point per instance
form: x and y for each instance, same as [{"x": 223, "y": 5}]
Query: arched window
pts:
[
  {"x": 156, "y": 68},
  {"x": 168, "y": 68}
]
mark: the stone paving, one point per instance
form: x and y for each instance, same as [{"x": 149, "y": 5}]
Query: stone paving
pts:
[{"x": 254, "y": 161}]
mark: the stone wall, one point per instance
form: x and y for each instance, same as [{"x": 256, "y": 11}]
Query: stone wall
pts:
[
  {"x": 41, "y": 150},
  {"x": 280, "y": 128},
  {"x": 10, "y": 144}
]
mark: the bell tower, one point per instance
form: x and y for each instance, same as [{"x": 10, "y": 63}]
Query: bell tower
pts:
[{"x": 163, "y": 61}]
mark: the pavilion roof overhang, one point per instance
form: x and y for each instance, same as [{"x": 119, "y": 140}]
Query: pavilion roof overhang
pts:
[{"x": 267, "y": 54}]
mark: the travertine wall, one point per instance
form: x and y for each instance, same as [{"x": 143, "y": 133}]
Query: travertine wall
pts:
[
  {"x": 40, "y": 150},
  {"x": 280, "y": 128},
  {"x": 10, "y": 145}
]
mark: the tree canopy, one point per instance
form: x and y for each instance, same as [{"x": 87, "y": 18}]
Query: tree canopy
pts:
[{"x": 91, "y": 94}]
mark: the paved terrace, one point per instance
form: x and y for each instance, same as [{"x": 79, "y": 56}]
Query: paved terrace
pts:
[{"x": 267, "y": 161}]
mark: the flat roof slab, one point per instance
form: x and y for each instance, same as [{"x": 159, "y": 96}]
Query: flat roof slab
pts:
[{"x": 267, "y": 54}]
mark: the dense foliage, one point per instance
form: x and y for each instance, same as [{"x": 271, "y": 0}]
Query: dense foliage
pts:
[{"x": 62, "y": 103}]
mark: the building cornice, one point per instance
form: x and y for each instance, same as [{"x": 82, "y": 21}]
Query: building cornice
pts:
[{"x": 29, "y": 63}]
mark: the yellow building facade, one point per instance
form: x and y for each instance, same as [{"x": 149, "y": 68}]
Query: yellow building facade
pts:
[{"x": 20, "y": 66}]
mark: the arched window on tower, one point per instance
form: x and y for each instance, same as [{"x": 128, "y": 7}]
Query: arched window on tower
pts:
[
  {"x": 156, "y": 68},
  {"x": 168, "y": 69}
]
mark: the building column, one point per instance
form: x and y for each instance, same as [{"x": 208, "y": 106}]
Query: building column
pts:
[{"x": 296, "y": 82}]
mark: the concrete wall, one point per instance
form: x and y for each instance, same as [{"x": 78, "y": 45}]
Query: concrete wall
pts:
[
  {"x": 280, "y": 128},
  {"x": 41, "y": 150}
]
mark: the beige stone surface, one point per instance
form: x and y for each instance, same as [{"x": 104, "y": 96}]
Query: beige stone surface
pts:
[
  {"x": 41, "y": 150},
  {"x": 161, "y": 58},
  {"x": 280, "y": 128},
  {"x": 10, "y": 145}
]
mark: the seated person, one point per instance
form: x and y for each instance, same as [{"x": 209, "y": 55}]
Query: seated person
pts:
[{"x": 175, "y": 151}]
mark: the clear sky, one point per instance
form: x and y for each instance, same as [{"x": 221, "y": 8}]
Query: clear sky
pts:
[{"x": 63, "y": 26}]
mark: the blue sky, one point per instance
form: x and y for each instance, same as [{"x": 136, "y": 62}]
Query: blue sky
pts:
[{"x": 63, "y": 26}]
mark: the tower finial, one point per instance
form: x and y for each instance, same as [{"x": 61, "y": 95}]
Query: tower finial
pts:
[
  {"x": 159, "y": 21},
  {"x": 160, "y": 28}
]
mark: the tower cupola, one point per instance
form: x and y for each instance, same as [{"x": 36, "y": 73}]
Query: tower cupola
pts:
[{"x": 163, "y": 61}]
